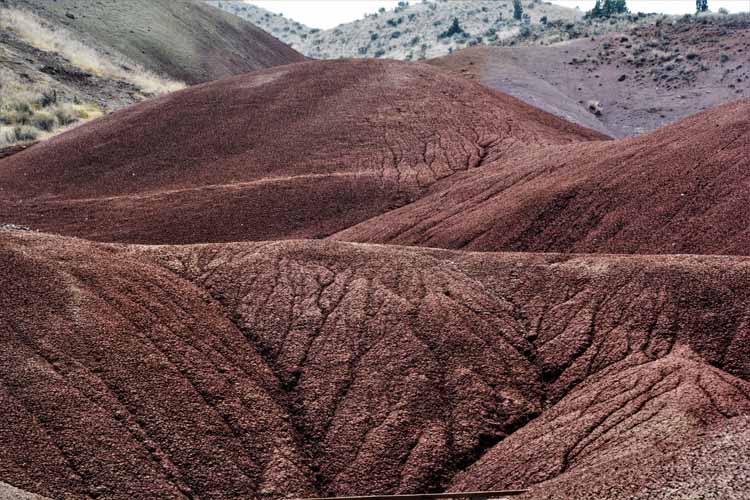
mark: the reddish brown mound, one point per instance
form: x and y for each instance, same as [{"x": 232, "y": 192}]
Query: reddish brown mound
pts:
[
  {"x": 682, "y": 189},
  {"x": 118, "y": 380},
  {"x": 391, "y": 369},
  {"x": 405, "y": 364},
  {"x": 15, "y": 149},
  {"x": 298, "y": 151},
  {"x": 664, "y": 429}
]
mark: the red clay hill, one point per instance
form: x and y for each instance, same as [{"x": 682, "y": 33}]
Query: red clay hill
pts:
[
  {"x": 317, "y": 368},
  {"x": 682, "y": 189},
  {"x": 272, "y": 369},
  {"x": 302, "y": 150}
]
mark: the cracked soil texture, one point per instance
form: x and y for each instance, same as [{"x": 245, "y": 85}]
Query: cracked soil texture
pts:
[
  {"x": 318, "y": 368},
  {"x": 300, "y": 151},
  {"x": 681, "y": 189}
]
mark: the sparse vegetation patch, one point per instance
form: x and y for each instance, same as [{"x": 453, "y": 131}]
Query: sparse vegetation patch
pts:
[
  {"x": 442, "y": 27},
  {"x": 43, "y": 36},
  {"x": 29, "y": 112}
]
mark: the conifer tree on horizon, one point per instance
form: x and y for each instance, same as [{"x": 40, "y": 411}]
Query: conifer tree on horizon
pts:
[
  {"x": 701, "y": 6},
  {"x": 517, "y": 10},
  {"x": 608, "y": 8}
]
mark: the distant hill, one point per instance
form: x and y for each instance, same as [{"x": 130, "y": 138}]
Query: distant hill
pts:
[
  {"x": 410, "y": 32},
  {"x": 185, "y": 40},
  {"x": 68, "y": 61},
  {"x": 621, "y": 83}
]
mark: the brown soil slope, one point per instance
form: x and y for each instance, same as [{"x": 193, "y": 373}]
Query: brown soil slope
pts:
[
  {"x": 396, "y": 367},
  {"x": 682, "y": 189},
  {"x": 643, "y": 79},
  {"x": 186, "y": 40},
  {"x": 657, "y": 429},
  {"x": 119, "y": 381},
  {"x": 302, "y": 150}
]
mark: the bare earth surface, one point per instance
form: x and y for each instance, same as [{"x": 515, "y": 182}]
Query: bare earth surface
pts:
[
  {"x": 681, "y": 189},
  {"x": 299, "y": 368},
  {"x": 643, "y": 79},
  {"x": 120, "y": 381},
  {"x": 302, "y": 150},
  {"x": 285, "y": 336}
]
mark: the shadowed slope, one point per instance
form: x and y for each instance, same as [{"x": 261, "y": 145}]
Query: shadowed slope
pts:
[
  {"x": 302, "y": 150},
  {"x": 682, "y": 189},
  {"x": 186, "y": 40},
  {"x": 293, "y": 368}
]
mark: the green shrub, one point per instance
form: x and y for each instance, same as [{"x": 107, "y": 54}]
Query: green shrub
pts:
[
  {"x": 65, "y": 117},
  {"x": 25, "y": 133},
  {"x": 48, "y": 99},
  {"x": 454, "y": 29},
  {"x": 44, "y": 121},
  {"x": 604, "y": 9},
  {"x": 13, "y": 117}
]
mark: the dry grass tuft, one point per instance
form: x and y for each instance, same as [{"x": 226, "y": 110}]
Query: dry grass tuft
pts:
[{"x": 29, "y": 112}]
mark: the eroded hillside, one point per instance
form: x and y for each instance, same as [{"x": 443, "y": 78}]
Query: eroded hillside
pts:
[
  {"x": 299, "y": 368},
  {"x": 302, "y": 150},
  {"x": 680, "y": 189},
  {"x": 186, "y": 41}
]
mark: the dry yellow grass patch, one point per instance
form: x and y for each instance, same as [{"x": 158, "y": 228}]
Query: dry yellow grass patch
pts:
[
  {"x": 43, "y": 36},
  {"x": 31, "y": 112}
]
